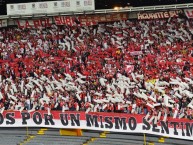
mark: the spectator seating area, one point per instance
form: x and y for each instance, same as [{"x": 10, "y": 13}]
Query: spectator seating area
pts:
[
  {"x": 138, "y": 67},
  {"x": 11, "y": 136}
]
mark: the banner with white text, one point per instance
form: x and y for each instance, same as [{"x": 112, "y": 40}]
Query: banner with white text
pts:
[
  {"x": 159, "y": 15},
  {"x": 115, "y": 122}
]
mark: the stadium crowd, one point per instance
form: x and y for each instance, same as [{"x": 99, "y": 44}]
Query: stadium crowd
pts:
[{"x": 137, "y": 67}]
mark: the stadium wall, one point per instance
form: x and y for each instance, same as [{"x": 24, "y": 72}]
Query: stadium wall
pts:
[
  {"x": 150, "y": 12},
  {"x": 90, "y": 19}
]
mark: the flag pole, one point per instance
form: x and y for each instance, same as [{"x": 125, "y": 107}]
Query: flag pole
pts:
[
  {"x": 27, "y": 133},
  {"x": 144, "y": 139}
]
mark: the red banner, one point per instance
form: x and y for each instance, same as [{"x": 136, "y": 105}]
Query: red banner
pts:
[
  {"x": 104, "y": 17},
  {"x": 89, "y": 19},
  {"x": 159, "y": 15},
  {"x": 82, "y": 20},
  {"x": 64, "y": 20},
  {"x": 39, "y": 23},
  {"x": 68, "y": 20}
]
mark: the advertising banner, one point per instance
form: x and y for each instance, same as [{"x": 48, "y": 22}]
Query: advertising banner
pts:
[
  {"x": 117, "y": 122},
  {"x": 62, "y": 6},
  {"x": 189, "y": 13},
  {"x": 159, "y": 15},
  {"x": 84, "y": 5},
  {"x": 50, "y": 7},
  {"x": 18, "y": 9}
]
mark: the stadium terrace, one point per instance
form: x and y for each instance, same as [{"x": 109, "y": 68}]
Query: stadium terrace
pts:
[{"x": 123, "y": 71}]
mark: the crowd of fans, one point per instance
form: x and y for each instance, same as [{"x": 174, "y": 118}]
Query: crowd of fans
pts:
[{"x": 137, "y": 67}]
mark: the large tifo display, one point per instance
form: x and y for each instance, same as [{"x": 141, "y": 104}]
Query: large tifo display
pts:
[
  {"x": 175, "y": 128},
  {"x": 50, "y": 7}
]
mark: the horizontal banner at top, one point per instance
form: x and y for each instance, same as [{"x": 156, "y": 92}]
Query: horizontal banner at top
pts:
[
  {"x": 90, "y": 19},
  {"x": 86, "y": 20},
  {"x": 50, "y": 7}
]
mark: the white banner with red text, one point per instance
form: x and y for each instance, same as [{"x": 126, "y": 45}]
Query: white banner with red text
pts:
[
  {"x": 189, "y": 13},
  {"x": 50, "y": 7},
  {"x": 116, "y": 122}
]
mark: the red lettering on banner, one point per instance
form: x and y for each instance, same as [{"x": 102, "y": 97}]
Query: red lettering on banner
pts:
[
  {"x": 48, "y": 24},
  {"x": 162, "y": 15},
  {"x": 45, "y": 22},
  {"x": 68, "y": 20},
  {"x": 18, "y": 24},
  {"x": 64, "y": 20},
  {"x": 57, "y": 20},
  {"x": 173, "y": 14},
  {"x": 166, "y": 15},
  {"x": 190, "y": 13},
  {"x": 27, "y": 25},
  {"x": 36, "y": 23},
  {"x": 90, "y": 19}
]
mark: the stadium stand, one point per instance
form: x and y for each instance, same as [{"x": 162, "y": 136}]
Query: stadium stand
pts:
[
  {"x": 51, "y": 137},
  {"x": 120, "y": 67},
  {"x": 133, "y": 66}
]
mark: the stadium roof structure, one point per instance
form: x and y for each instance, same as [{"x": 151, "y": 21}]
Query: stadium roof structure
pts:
[
  {"x": 106, "y": 4},
  {"x": 103, "y": 11}
]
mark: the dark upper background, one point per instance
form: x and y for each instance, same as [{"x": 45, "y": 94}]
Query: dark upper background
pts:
[{"x": 105, "y": 4}]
